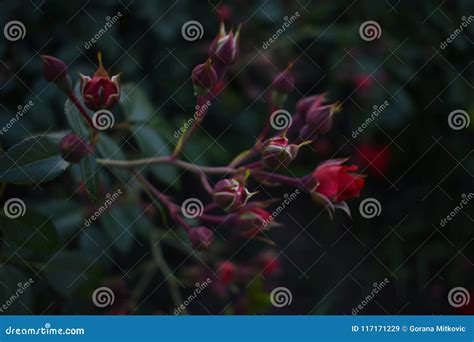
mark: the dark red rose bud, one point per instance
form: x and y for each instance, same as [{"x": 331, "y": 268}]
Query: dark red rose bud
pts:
[
  {"x": 224, "y": 47},
  {"x": 100, "y": 91},
  {"x": 284, "y": 82},
  {"x": 278, "y": 152},
  {"x": 204, "y": 78},
  {"x": 55, "y": 70},
  {"x": 320, "y": 118},
  {"x": 201, "y": 237},
  {"x": 74, "y": 148},
  {"x": 230, "y": 194},
  {"x": 313, "y": 101},
  {"x": 226, "y": 271}
]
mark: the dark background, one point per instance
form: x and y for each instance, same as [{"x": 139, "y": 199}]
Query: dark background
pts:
[{"x": 418, "y": 173}]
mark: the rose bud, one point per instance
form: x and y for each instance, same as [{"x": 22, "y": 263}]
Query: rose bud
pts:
[
  {"x": 74, "y": 148},
  {"x": 320, "y": 118},
  {"x": 269, "y": 262},
  {"x": 204, "y": 78},
  {"x": 254, "y": 220},
  {"x": 226, "y": 271},
  {"x": 313, "y": 101},
  {"x": 201, "y": 237},
  {"x": 230, "y": 194},
  {"x": 284, "y": 82},
  {"x": 335, "y": 181},
  {"x": 277, "y": 152},
  {"x": 224, "y": 47},
  {"x": 55, "y": 70},
  {"x": 100, "y": 91}
]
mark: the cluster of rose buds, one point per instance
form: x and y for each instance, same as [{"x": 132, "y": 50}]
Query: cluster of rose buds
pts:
[
  {"x": 231, "y": 202},
  {"x": 98, "y": 92}
]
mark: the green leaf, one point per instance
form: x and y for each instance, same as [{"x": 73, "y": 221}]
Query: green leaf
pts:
[
  {"x": 109, "y": 149},
  {"x": 70, "y": 271},
  {"x": 15, "y": 292},
  {"x": 152, "y": 145},
  {"x": 90, "y": 176},
  {"x": 135, "y": 104},
  {"x": 30, "y": 235},
  {"x": 32, "y": 161}
]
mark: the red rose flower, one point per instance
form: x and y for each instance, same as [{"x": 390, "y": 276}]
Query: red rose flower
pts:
[{"x": 336, "y": 181}]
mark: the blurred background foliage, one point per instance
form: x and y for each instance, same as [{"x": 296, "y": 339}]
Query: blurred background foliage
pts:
[{"x": 418, "y": 168}]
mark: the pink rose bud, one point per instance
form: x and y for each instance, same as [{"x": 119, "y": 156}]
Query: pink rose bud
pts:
[
  {"x": 201, "y": 237},
  {"x": 284, "y": 82},
  {"x": 278, "y": 152},
  {"x": 224, "y": 48},
  {"x": 55, "y": 70},
  {"x": 74, "y": 148},
  {"x": 100, "y": 91},
  {"x": 313, "y": 101},
  {"x": 320, "y": 118},
  {"x": 204, "y": 77},
  {"x": 230, "y": 194},
  {"x": 254, "y": 220}
]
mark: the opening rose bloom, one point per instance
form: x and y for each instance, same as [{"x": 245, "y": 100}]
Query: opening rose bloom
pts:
[
  {"x": 100, "y": 91},
  {"x": 337, "y": 182}
]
